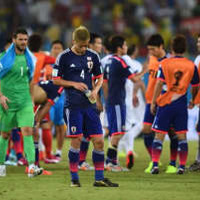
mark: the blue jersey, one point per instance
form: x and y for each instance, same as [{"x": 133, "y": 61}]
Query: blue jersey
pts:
[
  {"x": 77, "y": 68},
  {"x": 53, "y": 92},
  {"x": 116, "y": 72}
]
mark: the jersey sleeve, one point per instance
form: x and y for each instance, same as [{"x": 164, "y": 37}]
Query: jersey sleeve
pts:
[
  {"x": 160, "y": 75},
  {"x": 97, "y": 69},
  {"x": 49, "y": 60},
  {"x": 195, "y": 78},
  {"x": 57, "y": 72}
]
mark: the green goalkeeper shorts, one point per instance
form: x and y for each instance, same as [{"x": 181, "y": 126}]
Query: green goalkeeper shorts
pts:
[{"x": 23, "y": 117}]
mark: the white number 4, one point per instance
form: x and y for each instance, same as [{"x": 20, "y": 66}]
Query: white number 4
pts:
[{"x": 82, "y": 75}]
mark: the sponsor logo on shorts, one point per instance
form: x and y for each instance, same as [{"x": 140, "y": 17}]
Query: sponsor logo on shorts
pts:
[{"x": 73, "y": 129}]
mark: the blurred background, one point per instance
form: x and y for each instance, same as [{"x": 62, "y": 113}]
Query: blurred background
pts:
[{"x": 135, "y": 19}]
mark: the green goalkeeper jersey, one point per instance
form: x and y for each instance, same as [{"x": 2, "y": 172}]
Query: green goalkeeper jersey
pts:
[{"x": 15, "y": 84}]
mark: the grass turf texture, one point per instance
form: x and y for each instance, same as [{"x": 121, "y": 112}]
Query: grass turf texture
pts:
[{"x": 134, "y": 185}]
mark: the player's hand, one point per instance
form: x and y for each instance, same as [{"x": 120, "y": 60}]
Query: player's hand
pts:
[
  {"x": 191, "y": 105},
  {"x": 3, "y": 101},
  {"x": 135, "y": 101},
  {"x": 80, "y": 86},
  {"x": 93, "y": 95},
  {"x": 153, "y": 108}
]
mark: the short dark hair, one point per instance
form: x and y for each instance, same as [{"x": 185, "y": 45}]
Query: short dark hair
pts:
[
  {"x": 179, "y": 44},
  {"x": 35, "y": 42},
  {"x": 107, "y": 42},
  {"x": 20, "y": 30},
  {"x": 155, "y": 40},
  {"x": 131, "y": 49},
  {"x": 117, "y": 41},
  {"x": 93, "y": 36},
  {"x": 58, "y": 42},
  {"x": 8, "y": 41}
]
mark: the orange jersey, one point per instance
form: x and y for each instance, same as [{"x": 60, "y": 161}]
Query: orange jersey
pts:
[
  {"x": 153, "y": 66},
  {"x": 178, "y": 73},
  {"x": 48, "y": 72},
  {"x": 42, "y": 60}
]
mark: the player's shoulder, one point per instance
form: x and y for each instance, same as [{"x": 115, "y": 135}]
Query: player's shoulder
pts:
[
  {"x": 119, "y": 60},
  {"x": 64, "y": 54},
  {"x": 92, "y": 53}
]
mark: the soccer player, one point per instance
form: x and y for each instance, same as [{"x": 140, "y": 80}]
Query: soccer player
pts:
[
  {"x": 196, "y": 165},
  {"x": 95, "y": 44},
  {"x": 16, "y": 110},
  {"x": 155, "y": 45},
  {"x": 73, "y": 70},
  {"x": 135, "y": 106},
  {"x": 115, "y": 75},
  {"x": 56, "y": 111},
  {"x": 177, "y": 73},
  {"x": 35, "y": 44}
]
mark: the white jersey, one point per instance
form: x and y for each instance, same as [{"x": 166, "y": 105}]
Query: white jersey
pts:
[
  {"x": 197, "y": 61},
  {"x": 104, "y": 60},
  {"x": 134, "y": 115}
]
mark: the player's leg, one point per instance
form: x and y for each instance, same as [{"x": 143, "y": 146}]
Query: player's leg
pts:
[
  {"x": 148, "y": 134},
  {"x": 171, "y": 168},
  {"x": 116, "y": 120},
  {"x": 74, "y": 121},
  {"x": 196, "y": 165},
  {"x": 93, "y": 129},
  {"x": 25, "y": 120}
]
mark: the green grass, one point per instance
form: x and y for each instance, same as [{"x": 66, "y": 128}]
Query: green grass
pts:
[{"x": 134, "y": 185}]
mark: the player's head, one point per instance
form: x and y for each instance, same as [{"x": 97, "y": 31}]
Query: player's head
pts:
[
  {"x": 198, "y": 42},
  {"x": 118, "y": 44},
  {"x": 20, "y": 39},
  {"x": 107, "y": 43},
  {"x": 179, "y": 44},
  {"x": 81, "y": 38},
  {"x": 8, "y": 42},
  {"x": 95, "y": 42},
  {"x": 35, "y": 42},
  {"x": 56, "y": 48},
  {"x": 155, "y": 45},
  {"x": 132, "y": 50}
]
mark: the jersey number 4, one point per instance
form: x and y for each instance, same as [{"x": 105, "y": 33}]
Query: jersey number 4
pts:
[{"x": 82, "y": 75}]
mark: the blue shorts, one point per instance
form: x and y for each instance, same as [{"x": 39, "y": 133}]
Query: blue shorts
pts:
[
  {"x": 116, "y": 115},
  {"x": 148, "y": 117},
  {"x": 175, "y": 113},
  {"x": 198, "y": 123},
  {"x": 56, "y": 111},
  {"x": 83, "y": 121}
]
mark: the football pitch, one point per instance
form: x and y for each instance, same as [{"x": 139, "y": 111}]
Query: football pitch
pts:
[{"x": 134, "y": 185}]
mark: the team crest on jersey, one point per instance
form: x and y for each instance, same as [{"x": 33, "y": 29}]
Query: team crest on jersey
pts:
[
  {"x": 73, "y": 129},
  {"x": 89, "y": 63}
]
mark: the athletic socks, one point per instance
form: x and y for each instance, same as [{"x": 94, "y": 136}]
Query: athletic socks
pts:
[
  {"x": 47, "y": 141},
  {"x": 29, "y": 148},
  {"x": 98, "y": 160},
  {"x": 148, "y": 141},
  {"x": 173, "y": 150},
  {"x": 73, "y": 156},
  {"x": 3, "y": 149},
  {"x": 36, "y": 153},
  {"x": 183, "y": 152},
  {"x": 156, "y": 151},
  {"x": 111, "y": 155},
  {"x": 83, "y": 150}
]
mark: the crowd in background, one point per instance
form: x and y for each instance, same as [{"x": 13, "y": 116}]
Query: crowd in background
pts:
[{"x": 135, "y": 19}]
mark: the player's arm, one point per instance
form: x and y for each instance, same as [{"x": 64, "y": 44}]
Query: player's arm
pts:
[
  {"x": 96, "y": 87},
  {"x": 58, "y": 73},
  {"x": 157, "y": 92}
]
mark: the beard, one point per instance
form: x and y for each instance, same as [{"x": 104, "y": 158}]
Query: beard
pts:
[{"x": 19, "y": 48}]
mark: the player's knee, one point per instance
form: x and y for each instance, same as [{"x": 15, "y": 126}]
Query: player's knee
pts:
[
  {"x": 146, "y": 129},
  {"x": 98, "y": 144},
  {"x": 5, "y": 135},
  {"x": 76, "y": 142},
  {"x": 27, "y": 131},
  {"x": 182, "y": 136},
  {"x": 159, "y": 136}
]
